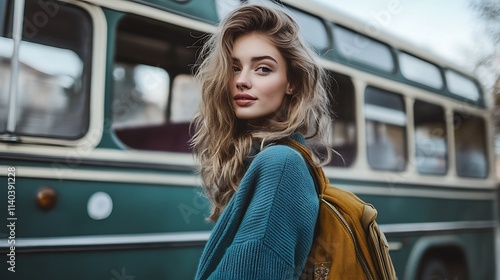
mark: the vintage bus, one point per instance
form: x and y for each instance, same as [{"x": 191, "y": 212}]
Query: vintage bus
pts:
[{"x": 98, "y": 181}]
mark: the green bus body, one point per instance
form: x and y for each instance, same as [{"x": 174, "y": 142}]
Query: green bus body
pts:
[{"x": 130, "y": 207}]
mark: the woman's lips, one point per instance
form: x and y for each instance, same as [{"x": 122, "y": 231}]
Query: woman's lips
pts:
[{"x": 243, "y": 99}]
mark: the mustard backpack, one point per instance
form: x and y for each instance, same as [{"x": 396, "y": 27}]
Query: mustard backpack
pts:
[{"x": 348, "y": 243}]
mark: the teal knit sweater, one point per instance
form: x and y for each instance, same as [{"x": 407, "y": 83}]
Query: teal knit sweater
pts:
[{"x": 267, "y": 228}]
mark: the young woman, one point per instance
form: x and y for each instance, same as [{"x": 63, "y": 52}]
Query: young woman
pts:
[{"x": 260, "y": 84}]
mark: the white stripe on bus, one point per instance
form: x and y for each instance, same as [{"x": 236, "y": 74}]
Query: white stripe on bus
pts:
[
  {"x": 202, "y": 236},
  {"x": 100, "y": 240},
  {"x": 408, "y": 228},
  {"x": 418, "y": 192}
]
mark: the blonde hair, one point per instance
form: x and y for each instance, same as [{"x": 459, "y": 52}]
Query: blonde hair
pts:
[{"x": 222, "y": 141}]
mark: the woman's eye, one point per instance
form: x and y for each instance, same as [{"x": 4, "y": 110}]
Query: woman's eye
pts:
[
  {"x": 263, "y": 69},
  {"x": 236, "y": 69}
]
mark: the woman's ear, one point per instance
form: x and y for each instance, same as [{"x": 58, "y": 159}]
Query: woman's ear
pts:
[{"x": 289, "y": 89}]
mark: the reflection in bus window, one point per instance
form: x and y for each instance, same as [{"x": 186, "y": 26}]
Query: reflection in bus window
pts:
[
  {"x": 420, "y": 71},
  {"x": 54, "y": 73},
  {"x": 186, "y": 97},
  {"x": 4, "y": 18},
  {"x": 430, "y": 138},
  {"x": 154, "y": 93},
  {"x": 359, "y": 48},
  {"x": 6, "y": 49},
  {"x": 385, "y": 130},
  {"x": 461, "y": 86},
  {"x": 470, "y": 146},
  {"x": 46, "y": 90},
  {"x": 141, "y": 94},
  {"x": 343, "y": 139}
]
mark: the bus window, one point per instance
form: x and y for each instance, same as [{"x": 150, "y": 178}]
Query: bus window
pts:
[
  {"x": 385, "y": 129},
  {"x": 343, "y": 139},
  {"x": 154, "y": 94},
  {"x": 359, "y": 48},
  {"x": 461, "y": 86},
  {"x": 312, "y": 28},
  {"x": 54, "y": 71},
  {"x": 420, "y": 71},
  {"x": 4, "y": 18},
  {"x": 470, "y": 146},
  {"x": 430, "y": 138},
  {"x": 6, "y": 49}
]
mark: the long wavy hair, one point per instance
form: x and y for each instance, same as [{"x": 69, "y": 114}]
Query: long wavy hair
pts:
[{"x": 221, "y": 141}]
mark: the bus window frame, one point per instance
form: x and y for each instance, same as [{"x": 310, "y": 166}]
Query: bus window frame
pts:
[
  {"x": 485, "y": 144},
  {"x": 410, "y": 81},
  {"x": 413, "y": 127},
  {"x": 480, "y": 100},
  {"x": 340, "y": 56},
  {"x": 326, "y": 29},
  {"x": 126, "y": 138},
  {"x": 96, "y": 85},
  {"x": 405, "y": 164},
  {"x": 348, "y": 153}
]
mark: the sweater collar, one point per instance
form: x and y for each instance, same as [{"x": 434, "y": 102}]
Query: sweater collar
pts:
[
  {"x": 298, "y": 137},
  {"x": 256, "y": 146}
]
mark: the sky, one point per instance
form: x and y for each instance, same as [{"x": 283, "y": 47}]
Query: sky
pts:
[{"x": 447, "y": 28}]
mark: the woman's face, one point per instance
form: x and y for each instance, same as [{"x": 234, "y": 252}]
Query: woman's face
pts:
[{"x": 259, "y": 83}]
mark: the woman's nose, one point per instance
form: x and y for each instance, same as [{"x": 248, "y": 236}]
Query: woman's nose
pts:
[{"x": 243, "y": 81}]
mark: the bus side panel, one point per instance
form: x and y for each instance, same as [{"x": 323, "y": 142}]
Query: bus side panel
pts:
[{"x": 66, "y": 242}]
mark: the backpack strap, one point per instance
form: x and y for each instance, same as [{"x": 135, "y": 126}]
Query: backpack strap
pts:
[{"x": 320, "y": 180}]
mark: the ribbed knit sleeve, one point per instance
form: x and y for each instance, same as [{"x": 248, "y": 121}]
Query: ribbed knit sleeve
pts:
[{"x": 267, "y": 229}]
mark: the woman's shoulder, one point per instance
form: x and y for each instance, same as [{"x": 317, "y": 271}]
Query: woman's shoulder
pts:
[{"x": 278, "y": 156}]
